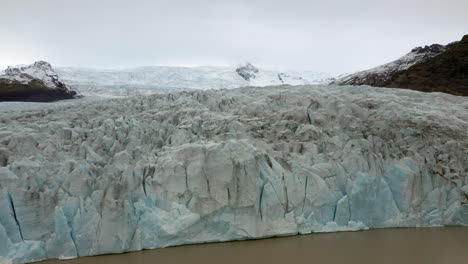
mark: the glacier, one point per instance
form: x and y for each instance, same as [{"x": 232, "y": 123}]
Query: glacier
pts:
[
  {"x": 154, "y": 171},
  {"x": 163, "y": 79}
]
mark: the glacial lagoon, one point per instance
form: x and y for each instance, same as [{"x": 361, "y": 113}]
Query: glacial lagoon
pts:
[{"x": 439, "y": 245}]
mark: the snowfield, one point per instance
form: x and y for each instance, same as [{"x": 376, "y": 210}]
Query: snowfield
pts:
[
  {"x": 163, "y": 79},
  {"x": 147, "y": 172}
]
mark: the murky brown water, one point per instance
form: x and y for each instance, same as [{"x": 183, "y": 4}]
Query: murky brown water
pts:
[{"x": 396, "y": 246}]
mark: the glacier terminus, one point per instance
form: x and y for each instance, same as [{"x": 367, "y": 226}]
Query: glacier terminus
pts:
[{"x": 187, "y": 167}]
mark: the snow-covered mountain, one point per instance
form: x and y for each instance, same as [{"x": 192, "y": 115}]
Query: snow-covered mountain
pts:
[
  {"x": 35, "y": 82},
  {"x": 155, "y": 79},
  {"x": 155, "y": 171},
  {"x": 39, "y": 70},
  {"x": 380, "y": 75}
]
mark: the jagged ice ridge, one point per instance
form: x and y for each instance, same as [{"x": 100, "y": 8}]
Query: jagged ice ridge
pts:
[{"x": 203, "y": 166}]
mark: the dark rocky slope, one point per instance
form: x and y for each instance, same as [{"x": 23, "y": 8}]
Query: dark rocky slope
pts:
[
  {"x": 434, "y": 68},
  {"x": 447, "y": 72}
]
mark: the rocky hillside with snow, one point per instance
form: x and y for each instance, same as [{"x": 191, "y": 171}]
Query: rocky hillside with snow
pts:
[
  {"x": 162, "y": 79},
  {"x": 202, "y": 166},
  {"x": 37, "y": 82},
  {"x": 447, "y": 72},
  {"x": 381, "y": 75}
]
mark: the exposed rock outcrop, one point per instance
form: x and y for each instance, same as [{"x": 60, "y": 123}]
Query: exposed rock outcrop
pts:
[
  {"x": 37, "y": 82},
  {"x": 434, "y": 68},
  {"x": 447, "y": 72},
  {"x": 247, "y": 71}
]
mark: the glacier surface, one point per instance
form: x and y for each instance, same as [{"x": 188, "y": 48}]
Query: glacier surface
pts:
[
  {"x": 148, "y": 172},
  {"x": 162, "y": 79}
]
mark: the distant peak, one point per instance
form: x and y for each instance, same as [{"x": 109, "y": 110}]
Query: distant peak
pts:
[
  {"x": 465, "y": 39},
  {"x": 38, "y": 65},
  {"x": 42, "y": 64},
  {"x": 247, "y": 71},
  {"x": 434, "y": 48}
]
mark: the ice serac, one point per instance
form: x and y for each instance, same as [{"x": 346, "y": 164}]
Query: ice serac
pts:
[{"x": 192, "y": 167}]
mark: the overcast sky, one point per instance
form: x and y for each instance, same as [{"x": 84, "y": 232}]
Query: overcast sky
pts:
[{"x": 325, "y": 35}]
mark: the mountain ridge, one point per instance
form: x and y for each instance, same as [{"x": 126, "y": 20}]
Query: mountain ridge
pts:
[
  {"x": 379, "y": 75},
  {"x": 429, "y": 69},
  {"x": 446, "y": 72}
]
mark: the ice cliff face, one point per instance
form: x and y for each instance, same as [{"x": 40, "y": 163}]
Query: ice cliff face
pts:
[
  {"x": 35, "y": 82},
  {"x": 381, "y": 75},
  {"x": 192, "y": 167},
  {"x": 162, "y": 79}
]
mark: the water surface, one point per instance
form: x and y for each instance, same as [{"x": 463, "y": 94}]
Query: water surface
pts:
[{"x": 379, "y": 246}]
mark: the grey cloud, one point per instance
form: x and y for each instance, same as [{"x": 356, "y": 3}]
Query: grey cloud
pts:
[{"x": 330, "y": 36}]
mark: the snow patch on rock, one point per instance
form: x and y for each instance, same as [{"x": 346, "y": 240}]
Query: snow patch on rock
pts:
[
  {"x": 39, "y": 70},
  {"x": 379, "y": 75}
]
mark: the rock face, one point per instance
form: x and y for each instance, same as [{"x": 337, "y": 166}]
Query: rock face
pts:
[
  {"x": 447, "y": 72},
  {"x": 203, "y": 166},
  {"x": 380, "y": 76},
  {"x": 37, "y": 82},
  {"x": 247, "y": 72}
]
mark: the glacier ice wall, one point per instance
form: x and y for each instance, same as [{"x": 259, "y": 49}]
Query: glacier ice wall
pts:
[{"x": 191, "y": 167}]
